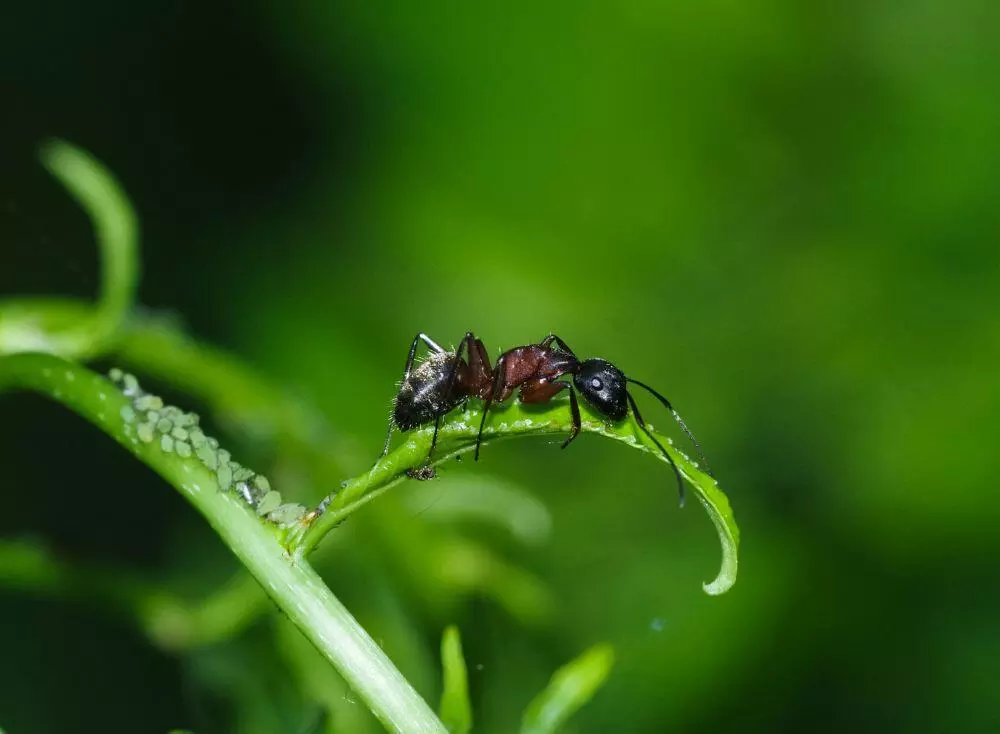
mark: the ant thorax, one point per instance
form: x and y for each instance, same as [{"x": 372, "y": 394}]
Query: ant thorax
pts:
[{"x": 428, "y": 392}]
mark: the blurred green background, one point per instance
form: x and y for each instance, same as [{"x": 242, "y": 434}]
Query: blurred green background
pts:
[{"x": 783, "y": 215}]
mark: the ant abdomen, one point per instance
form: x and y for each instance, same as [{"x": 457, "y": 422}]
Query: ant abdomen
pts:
[{"x": 427, "y": 392}]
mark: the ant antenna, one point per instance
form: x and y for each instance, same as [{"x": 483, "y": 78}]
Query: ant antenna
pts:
[
  {"x": 680, "y": 422},
  {"x": 669, "y": 458}
]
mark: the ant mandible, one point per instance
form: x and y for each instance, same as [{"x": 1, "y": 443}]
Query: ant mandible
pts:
[{"x": 446, "y": 380}]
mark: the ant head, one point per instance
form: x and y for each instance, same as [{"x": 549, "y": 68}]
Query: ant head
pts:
[{"x": 603, "y": 386}]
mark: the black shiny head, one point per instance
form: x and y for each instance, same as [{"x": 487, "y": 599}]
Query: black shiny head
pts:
[{"x": 603, "y": 386}]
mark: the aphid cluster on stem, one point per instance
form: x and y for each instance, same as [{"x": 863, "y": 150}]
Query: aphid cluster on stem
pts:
[
  {"x": 148, "y": 420},
  {"x": 446, "y": 380}
]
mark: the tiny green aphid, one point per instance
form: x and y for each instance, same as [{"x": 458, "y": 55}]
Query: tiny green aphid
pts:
[{"x": 177, "y": 432}]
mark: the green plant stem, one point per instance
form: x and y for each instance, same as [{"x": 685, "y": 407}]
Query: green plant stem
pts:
[
  {"x": 457, "y": 436},
  {"x": 293, "y": 585},
  {"x": 319, "y": 682},
  {"x": 47, "y": 325}
]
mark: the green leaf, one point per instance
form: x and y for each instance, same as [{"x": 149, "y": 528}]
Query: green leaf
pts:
[
  {"x": 455, "y": 710},
  {"x": 62, "y": 327},
  {"x": 457, "y": 436},
  {"x": 572, "y": 686}
]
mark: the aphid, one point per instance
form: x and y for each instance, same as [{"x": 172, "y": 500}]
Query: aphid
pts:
[
  {"x": 534, "y": 370},
  {"x": 437, "y": 385}
]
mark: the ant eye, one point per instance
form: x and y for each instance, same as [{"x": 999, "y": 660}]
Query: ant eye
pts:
[{"x": 596, "y": 383}]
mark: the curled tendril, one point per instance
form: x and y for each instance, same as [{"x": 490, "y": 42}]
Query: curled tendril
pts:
[{"x": 63, "y": 327}]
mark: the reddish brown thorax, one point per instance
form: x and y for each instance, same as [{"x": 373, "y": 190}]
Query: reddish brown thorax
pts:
[{"x": 531, "y": 364}]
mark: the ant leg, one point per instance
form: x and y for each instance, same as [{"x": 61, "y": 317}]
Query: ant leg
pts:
[
  {"x": 434, "y": 440},
  {"x": 469, "y": 338},
  {"x": 434, "y": 347},
  {"x": 541, "y": 392},
  {"x": 668, "y": 457},
  {"x": 480, "y": 377},
  {"x": 497, "y": 389},
  {"x": 431, "y": 344},
  {"x": 547, "y": 341},
  {"x": 574, "y": 409},
  {"x": 468, "y": 343},
  {"x": 388, "y": 437}
]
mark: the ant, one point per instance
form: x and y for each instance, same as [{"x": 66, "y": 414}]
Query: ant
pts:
[{"x": 446, "y": 380}]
